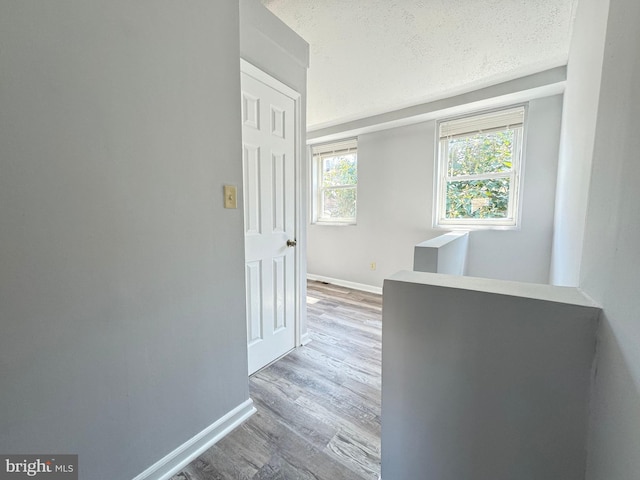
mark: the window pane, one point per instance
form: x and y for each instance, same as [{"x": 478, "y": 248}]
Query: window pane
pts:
[
  {"x": 338, "y": 203},
  {"x": 478, "y": 198},
  {"x": 481, "y": 153},
  {"x": 340, "y": 170}
]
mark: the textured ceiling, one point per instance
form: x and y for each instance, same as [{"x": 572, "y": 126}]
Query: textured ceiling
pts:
[{"x": 372, "y": 56}]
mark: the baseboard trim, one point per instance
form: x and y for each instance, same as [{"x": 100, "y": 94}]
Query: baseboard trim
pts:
[
  {"x": 305, "y": 339},
  {"x": 345, "y": 283},
  {"x": 190, "y": 450}
]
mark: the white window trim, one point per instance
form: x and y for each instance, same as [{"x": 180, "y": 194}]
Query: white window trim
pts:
[
  {"x": 516, "y": 175},
  {"x": 332, "y": 148}
]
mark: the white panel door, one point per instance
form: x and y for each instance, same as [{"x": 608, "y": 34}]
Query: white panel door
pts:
[{"x": 268, "y": 154}]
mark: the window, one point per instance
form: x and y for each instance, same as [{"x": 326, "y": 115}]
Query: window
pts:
[
  {"x": 479, "y": 169},
  {"x": 335, "y": 176}
]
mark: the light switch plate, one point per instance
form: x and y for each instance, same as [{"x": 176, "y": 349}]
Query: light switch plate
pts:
[{"x": 230, "y": 196}]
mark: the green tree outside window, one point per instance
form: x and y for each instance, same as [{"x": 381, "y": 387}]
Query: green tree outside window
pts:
[{"x": 482, "y": 154}]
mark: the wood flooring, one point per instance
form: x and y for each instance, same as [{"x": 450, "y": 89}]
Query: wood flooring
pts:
[{"x": 318, "y": 407}]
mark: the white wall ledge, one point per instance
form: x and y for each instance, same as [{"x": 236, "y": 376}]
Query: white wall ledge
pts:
[
  {"x": 442, "y": 240},
  {"x": 549, "y": 293}
]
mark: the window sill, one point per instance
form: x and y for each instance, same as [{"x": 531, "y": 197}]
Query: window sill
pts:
[
  {"x": 474, "y": 227},
  {"x": 334, "y": 224}
]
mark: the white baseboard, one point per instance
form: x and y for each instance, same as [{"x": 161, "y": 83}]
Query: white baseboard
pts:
[
  {"x": 305, "y": 339},
  {"x": 190, "y": 450},
  {"x": 345, "y": 283}
]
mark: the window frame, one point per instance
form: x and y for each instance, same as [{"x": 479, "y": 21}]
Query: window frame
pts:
[
  {"x": 330, "y": 150},
  {"x": 442, "y": 179}
]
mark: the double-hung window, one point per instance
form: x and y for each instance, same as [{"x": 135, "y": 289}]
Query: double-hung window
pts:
[
  {"x": 479, "y": 169},
  {"x": 335, "y": 181}
]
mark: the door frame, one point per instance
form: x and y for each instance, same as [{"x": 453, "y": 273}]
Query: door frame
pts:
[{"x": 260, "y": 75}]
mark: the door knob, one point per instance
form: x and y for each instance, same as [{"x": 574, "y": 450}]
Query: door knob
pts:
[{"x": 291, "y": 243}]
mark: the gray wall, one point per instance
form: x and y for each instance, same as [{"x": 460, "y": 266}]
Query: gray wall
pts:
[
  {"x": 121, "y": 275},
  {"x": 395, "y": 208},
  {"x": 610, "y": 270},
  {"x": 484, "y": 379},
  {"x": 267, "y": 43},
  {"x": 576, "y": 144}
]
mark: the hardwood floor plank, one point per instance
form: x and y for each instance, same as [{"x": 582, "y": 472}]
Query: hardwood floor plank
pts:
[
  {"x": 357, "y": 428},
  {"x": 351, "y": 367},
  {"x": 356, "y": 454},
  {"x": 296, "y": 420},
  {"x": 331, "y": 390},
  {"x": 318, "y": 408}
]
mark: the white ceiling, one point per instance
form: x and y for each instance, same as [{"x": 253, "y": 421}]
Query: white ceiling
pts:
[{"x": 373, "y": 56}]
